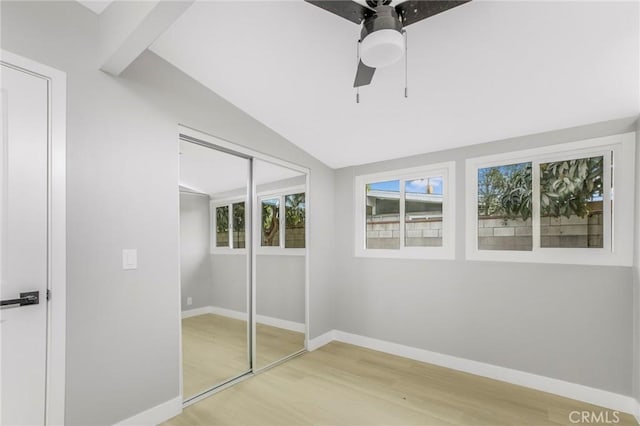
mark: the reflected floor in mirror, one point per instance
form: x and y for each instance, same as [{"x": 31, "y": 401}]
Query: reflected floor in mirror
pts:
[
  {"x": 214, "y": 349},
  {"x": 273, "y": 344}
]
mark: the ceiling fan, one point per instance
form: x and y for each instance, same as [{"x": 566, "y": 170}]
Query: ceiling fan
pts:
[{"x": 382, "y": 41}]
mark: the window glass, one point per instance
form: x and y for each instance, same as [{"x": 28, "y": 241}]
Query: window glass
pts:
[
  {"x": 294, "y": 220},
  {"x": 222, "y": 226},
  {"x": 423, "y": 212},
  {"x": 238, "y": 225},
  {"x": 504, "y": 207},
  {"x": 383, "y": 215},
  {"x": 571, "y": 203},
  {"x": 270, "y": 222}
]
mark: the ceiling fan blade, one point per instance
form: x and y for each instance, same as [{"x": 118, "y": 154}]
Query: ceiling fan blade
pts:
[
  {"x": 413, "y": 11},
  {"x": 364, "y": 75},
  {"x": 350, "y": 10}
]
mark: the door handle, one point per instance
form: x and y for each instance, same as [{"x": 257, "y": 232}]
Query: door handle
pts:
[{"x": 28, "y": 298}]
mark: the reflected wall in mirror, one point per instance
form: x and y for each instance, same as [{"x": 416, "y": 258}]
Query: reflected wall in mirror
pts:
[
  {"x": 280, "y": 262},
  {"x": 214, "y": 264}
]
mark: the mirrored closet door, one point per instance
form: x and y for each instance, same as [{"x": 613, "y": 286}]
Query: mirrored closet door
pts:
[
  {"x": 214, "y": 189},
  {"x": 243, "y": 238},
  {"x": 280, "y": 224}
]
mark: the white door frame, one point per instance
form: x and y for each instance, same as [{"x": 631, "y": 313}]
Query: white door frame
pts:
[{"x": 56, "y": 309}]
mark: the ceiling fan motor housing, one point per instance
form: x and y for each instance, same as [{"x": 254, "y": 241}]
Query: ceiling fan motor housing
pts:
[
  {"x": 385, "y": 18},
  {"x": 382, "y": 39}
]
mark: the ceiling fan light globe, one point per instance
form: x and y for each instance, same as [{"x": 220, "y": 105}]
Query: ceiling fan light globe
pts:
[{"x": 382, "y": 48}]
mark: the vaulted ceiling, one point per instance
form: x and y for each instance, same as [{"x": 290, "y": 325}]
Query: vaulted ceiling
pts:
[
  {"x": 482, "y": 71},
  {"x": 213, "y": 172}
]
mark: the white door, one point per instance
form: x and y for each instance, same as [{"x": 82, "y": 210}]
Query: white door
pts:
[{"x": 23, "y": 245}]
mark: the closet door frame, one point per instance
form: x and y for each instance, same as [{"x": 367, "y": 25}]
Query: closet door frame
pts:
[{"x": 189, "y": 134}]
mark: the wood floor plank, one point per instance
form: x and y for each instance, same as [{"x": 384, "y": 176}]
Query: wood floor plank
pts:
[
  {"x": 341, "y": 384},
  {"x": 214, "y": 349}
]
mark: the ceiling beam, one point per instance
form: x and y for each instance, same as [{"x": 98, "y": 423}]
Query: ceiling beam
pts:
[{"x": 127, "y": 28}]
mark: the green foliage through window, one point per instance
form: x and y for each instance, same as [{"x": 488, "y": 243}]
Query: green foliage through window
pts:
[
  {"x": 222, "y": 226},
  {"x": 566, "y": 188},
  {"x": 294, "y": 221},
  {"x": 271, "y": 222},
  {"x": 238, "y": 225},
  {"x": 502, "y": 190}
]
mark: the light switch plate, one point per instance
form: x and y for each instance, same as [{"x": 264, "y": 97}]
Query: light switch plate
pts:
[{"x": 129, "y": 259}]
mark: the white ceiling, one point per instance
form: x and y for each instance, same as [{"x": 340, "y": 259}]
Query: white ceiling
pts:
[
  {"x": 96, "y": 6},
  {"x": 483, "y": 71},
  {"x": 211, "y": 172}
]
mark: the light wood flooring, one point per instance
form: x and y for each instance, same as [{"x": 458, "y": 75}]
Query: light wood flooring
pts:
[
  {"x": 214, "y": 349},
  {"x": 340, "y": 384},
  {"x": 273, "y": 344}
]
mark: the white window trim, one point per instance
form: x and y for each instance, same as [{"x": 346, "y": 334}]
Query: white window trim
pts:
[
  {"x": 447, "y": 250},
  {"x": 618, "y": 241},
  {"x": 213, "y": 205},
  {"x": 279, "y": 250}
]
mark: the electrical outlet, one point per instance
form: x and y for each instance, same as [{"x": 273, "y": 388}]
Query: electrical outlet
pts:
[{"x": 189, "y": 301}]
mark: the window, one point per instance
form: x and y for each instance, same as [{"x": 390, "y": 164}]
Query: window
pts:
[
  {"x": 571, "y": 203},
  {"x": 283, "y": 221},
  {"x": 553, "y": 204},
  {"x": 383, "y": 215},
  {"x": 229, "y": 223},
  {"x": 238, "y": 229},
  {"x": 406, "y": 213},
  {"x": 222, "y": 226},
  {"x": 270, "y": 222},
  {"x": 294, "y": 229},
  {"x": 504, "y": 207},
  {"x": 423, "y": 212}
]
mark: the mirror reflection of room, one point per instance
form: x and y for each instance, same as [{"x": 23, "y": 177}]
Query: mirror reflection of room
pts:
[
  {"x": 280, "y": 262},
  {"x": 214, "y": 287}
]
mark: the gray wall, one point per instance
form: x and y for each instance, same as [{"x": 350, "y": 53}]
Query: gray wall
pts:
[
  {"x": 122, "y": 171},
  {"x": 636, "y": 277},
  {"x": 230, "y": 281},
  {"x": 196, "y": 280},
  {"x": 567, "y": 322},
  {"x": 279, "y": 285}
]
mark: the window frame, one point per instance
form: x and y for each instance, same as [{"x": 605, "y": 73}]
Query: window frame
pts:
[
  {"x": 447, "y": 250},
  {"x": 281, "y": 194},
  {"x": 229, "y": 202},
  {"x": 617, "y": 244}
]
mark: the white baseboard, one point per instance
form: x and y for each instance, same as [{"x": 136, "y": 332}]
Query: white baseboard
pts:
[
  {"x": 155, "y": 415},
  {"x": 576, "y": 391},
  {"x": 260, "y": 319},
  {"x": 320, "y": 341},
  {"x": 196, "y": 311},
  {"x": 229, "y": 313},
  {"x": 280, "y": 323},
  {"x": 637, "y": 413}
]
